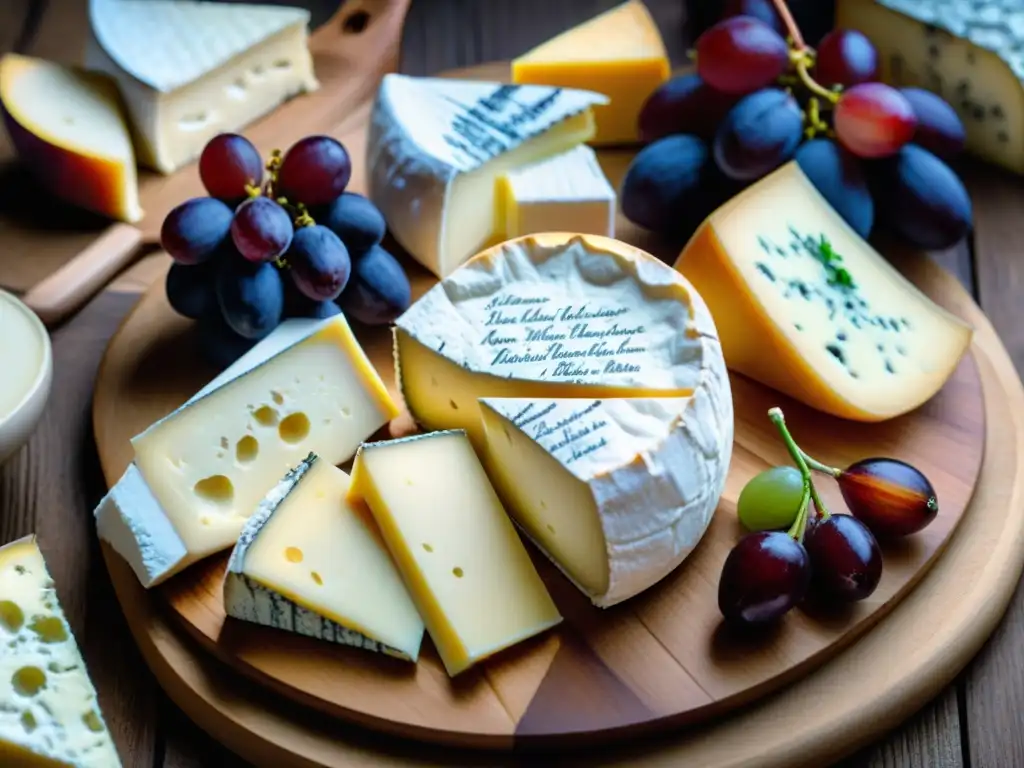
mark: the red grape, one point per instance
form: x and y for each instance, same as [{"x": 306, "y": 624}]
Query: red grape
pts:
[
  {"x": 874, "y": 120},
  {"x": 764, "y": 10},
  {"x": 741, "y": 54},
  {"x": 194, "y": 230},
  {"x": 939, "y": 128},
  {"x": 314, "y": 171},
  {"x": 190, "y": 290},
  {"x": 356, "y": 220},
  {"x": 665, "y": 182},
  {"x": 846, "y": 57},
  {"x": 251, "y": 297},
  {"x": 227, "y": 164},
  {"x": 261, "y": 230},
  {"x": 761, "y": 133},
  {"x": 845, "y": 557},
  {"x": 379, "y": 290},
  {"x": 320, "y": 264},
  {"x": 840, "y": 178},
  {"x": 889, "y": 496},
  {"x": 765, "y": 575},
  {"x": 218, "y": 342},
  {"x": 684, "y": 104}
]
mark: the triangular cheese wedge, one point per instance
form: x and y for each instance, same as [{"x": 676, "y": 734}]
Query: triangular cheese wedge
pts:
[
  {"x": 49, "y": 713},
  {"x": 806, "y": 306},
  {"x": 69, "y": 129},
  {"x": 311, "y": 563},
  {"x": 437, "y": 147},
  {"x": 619, "y": 53}
]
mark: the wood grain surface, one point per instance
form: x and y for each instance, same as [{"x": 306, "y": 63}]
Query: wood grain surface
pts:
[{"x": 53, "y": 484}]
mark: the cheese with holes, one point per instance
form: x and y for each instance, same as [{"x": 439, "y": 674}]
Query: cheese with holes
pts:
[
  {"x": 619, "y": 53},
  {"x": 616, "y": 492},
  {"x": 190, "y": 70},
  {"x": 307, "y": 387},
  {"x": 564, "y": 193},
  {"x": 806, "y": 306},
  {"x": 555, "y": 315},
  {"x": 970, "y": 53},
  {"x": 437, "y": 147},
  {"x": 312, "y": 563},
  {"x": 462, "y": 561},
  {"x": 49, "y": 711},
  {"x": 70, "y": 130}
]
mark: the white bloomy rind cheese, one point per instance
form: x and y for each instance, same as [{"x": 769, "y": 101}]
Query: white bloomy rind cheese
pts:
[
  {"x": 307, "y": 387},
  {"x": 437, "y": 147},
  {"x": 49, "y": 711},
  {"x": 308, "y": 562},
  {"x": 190, "y": 70}
]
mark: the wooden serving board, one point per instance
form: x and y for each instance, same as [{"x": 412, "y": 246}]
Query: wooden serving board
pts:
[{"x": 660, "y": 660}]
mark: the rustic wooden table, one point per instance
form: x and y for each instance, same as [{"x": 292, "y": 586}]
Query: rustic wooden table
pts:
[{"x": 52, "y": 485}]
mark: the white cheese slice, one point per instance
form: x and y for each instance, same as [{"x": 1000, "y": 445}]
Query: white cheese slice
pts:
[
  {"x": 564, "y": 193},
  {"x": 190, "y": 70},
  {"x": 437, "y": 147},
  {"x": 617, "y": 493},
  {"x": 311, "y": 563},
  {"x": 49, "y": 711}
]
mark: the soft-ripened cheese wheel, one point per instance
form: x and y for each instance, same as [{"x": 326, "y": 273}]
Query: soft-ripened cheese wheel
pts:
[
  {"x": 27, "y": 373},
  {"x": 49, "y": 712},
  {"x": 68, "y": 128},
  {"x": 468, "y": 572},
  {"x": 619, "y": 53},
  {"x": 806, "y": 306},
  {"x": 437, "y": 147},
  {"x": 312, "y": 563}
]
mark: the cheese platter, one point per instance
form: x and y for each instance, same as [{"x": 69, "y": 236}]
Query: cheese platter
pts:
[{"x": 391, "y": 439}]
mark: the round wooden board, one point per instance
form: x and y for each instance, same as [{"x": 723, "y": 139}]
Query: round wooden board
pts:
[
  {"x": 852, "y": 699},
  {"x": 662, "y": 659}
]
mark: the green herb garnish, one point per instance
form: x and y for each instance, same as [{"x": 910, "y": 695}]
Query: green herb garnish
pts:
[{"x": 823, "y": 251}]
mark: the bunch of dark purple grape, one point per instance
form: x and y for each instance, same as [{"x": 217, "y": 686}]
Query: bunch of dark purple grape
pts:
[
  {"x": 277, "y": 242},
  {"x": 878, "y": 154}
]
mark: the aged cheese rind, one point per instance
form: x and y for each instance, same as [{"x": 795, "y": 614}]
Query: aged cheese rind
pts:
[
  {"x": 255, "y": 592},
  {"x": 49, "y": 710},
  {"x": 867, "y": 352},
  {"x": 970, "y": 53},
  {"x": 436, "y": 148}
]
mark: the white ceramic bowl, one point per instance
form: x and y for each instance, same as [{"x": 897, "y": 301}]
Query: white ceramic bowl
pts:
[{"x": 26, "y": 373}]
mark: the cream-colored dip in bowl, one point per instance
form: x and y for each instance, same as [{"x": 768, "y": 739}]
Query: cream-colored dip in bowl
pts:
[{"x": 26, "y": 373}]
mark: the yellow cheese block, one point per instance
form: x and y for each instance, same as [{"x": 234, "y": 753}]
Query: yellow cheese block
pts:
[
  {"x": 619, "y": 53},
  {"x": 806, "y": 306},
  {"x": 460, "y": 557}
]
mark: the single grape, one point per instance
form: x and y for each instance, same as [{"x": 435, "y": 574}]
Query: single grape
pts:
[
  {"x": 191, "y": 289},
  {"x": 314, "y": 171},
  {"x": 251, "y": 297},
  {"x": 846, "y": 57},
  {"x": 762, "y": 10},
  {"x": 921, "y": 199},
  {"x": 845, "y": 558},
  {"x": 356, "y": 220},
  {"x": 939, "y": 128},
  {"x": 890, "y": 497},
  {"x": 741, "y": 54},
  {"x": 379, "y": 289},
  {"x": 218, "y": 342},
  {"x": 194, "y": 230},
  {"x": 684, "y": 104},
  {"x": 319, "y": 261},
  {"x": 261, "y": 230},
  {"x": 761, "y": 133},
  {"x": 764, "y": 576},
  {"x": 839, "y": 176},
  {"x": 874, "y": 120},
  {"x": 307, "y": 308},
  {"x": 665, "y": 183},
  {"x": 771, "y": 500},
  {"x": 228, "y": 163}
]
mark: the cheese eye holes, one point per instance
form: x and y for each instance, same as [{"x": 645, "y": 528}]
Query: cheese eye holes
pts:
[
  {"x": 346, "y": 412},
  {"x": 50, "y": 629},
  {"x": 551, "y": 528},
  {"x": 283, "y": 64},
  {"x": 356, "y": 22},
  {"x": 28, "y": 681},
  {"x": 12, "y": 618},
  {"x": 453, "y": 405},
  {"x": 247, "y": 449},
  {"x": 265, "y": 416},
  {"x": 216, "y": 489},
  {"x": 457, "y": 572},
  {"x": 92, "y": 721},
  {"x": 277, "y": 397},
  {"x": 316, "y": 577},
  {"x": 28, "y": 722},
  {"x": 294, "y": 428},
  {"x": 224, "y": 443},
  {"x": 427, "y": 547},
  {"x": 293, "y": 555}
]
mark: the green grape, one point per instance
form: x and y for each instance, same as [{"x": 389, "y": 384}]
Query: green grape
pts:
[{"x": 771, "y": 500}]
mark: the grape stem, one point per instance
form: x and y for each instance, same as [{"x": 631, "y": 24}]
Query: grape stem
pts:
[
  {"x": 802, "y": 56},
  {"x": 804, "y": 463}
]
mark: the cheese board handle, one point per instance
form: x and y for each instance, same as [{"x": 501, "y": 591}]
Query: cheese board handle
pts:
[{"x": 67, "y": 289}]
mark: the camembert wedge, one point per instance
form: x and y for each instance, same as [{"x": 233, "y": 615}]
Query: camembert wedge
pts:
[
  {"x": 312, "y": 563},
  {"x": 462, "y": 561},
  {"x": 806, "y": 306}
]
